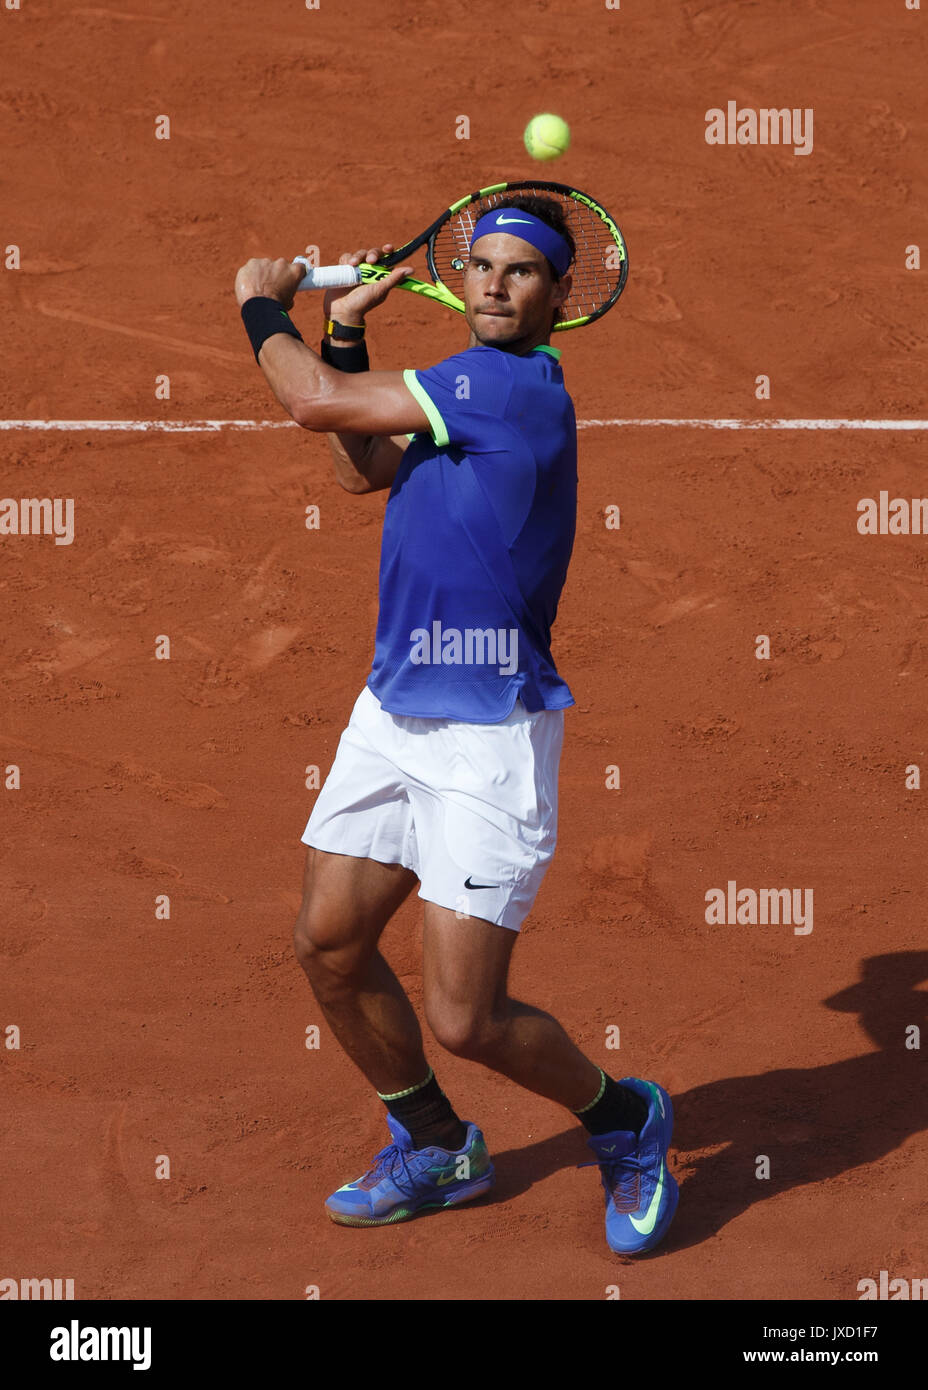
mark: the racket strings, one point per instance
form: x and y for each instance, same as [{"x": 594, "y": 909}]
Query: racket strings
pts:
[{"x": 597, "y": 268}]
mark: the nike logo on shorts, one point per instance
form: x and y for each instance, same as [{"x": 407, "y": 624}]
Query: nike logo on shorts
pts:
[{"x": 468, "y": 884}]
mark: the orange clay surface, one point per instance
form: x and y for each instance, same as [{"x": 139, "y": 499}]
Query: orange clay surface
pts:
[{"x": 185, "y": 1037}]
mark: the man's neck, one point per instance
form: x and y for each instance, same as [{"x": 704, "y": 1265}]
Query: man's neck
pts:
[{"x": 518, "y": 346}]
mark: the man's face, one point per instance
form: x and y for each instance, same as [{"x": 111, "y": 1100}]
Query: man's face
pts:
[{"x": 508, "y": 290}]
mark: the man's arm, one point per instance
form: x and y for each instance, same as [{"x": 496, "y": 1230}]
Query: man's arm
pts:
[
  {"x": 363, "y": 413},
  {"x": 367, "y": 463},
  {"x": 363, "y": 462},
  {"x": 368, "y": 413},
  {"x": 323, "y": 399}
]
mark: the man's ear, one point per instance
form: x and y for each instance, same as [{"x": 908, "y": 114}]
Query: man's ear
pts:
[{"x": 564, "y": 287}]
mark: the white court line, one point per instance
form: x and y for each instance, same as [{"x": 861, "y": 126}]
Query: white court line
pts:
[
  {"x": 155, "y": 426},
  {"x": 216, "y": 426},
  {"x": 762, "y": 424}
]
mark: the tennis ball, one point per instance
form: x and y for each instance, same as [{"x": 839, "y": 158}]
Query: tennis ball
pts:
[{"x": 547, "y": 136}]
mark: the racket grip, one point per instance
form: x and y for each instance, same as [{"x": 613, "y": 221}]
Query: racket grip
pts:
[{"x": 326, "y": 277}]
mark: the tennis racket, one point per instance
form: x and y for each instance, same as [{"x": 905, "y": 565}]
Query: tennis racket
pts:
[{"x": 599, "y": 271}]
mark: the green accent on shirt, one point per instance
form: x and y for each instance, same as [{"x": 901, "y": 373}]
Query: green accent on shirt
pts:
[{"x": 436, "y": 423}]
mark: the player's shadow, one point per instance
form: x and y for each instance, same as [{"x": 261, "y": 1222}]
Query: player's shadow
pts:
[{"x": 813, "y": 1123}]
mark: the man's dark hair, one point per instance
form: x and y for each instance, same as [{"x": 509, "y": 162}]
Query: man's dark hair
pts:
[{"x": 547, "y": 210}]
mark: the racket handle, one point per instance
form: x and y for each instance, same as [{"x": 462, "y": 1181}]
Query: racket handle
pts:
[{"x": 326, "y": 277}]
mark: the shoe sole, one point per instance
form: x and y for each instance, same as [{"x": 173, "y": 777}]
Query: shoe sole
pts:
[{"x": 478, "y": 1188}]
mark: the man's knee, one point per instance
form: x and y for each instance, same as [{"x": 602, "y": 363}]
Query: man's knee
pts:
[
  {"x": 321, "y": 949},
  {"x": 347, "y": 902},
  {"x": 305, "y": 942},
  {"x": 329, "y": 936},
  {"x": 464, "y": 1031}
]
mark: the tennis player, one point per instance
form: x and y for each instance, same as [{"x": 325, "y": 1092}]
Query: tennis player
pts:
[{"x": 447, "y": 772}]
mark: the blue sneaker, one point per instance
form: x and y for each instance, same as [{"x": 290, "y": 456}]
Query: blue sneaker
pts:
[
  {"x": 641, "y": 1192},
  {"x": 402, "y": 1180}
]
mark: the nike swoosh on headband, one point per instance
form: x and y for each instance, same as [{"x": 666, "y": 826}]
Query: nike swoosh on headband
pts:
[{"x": 501, "y": 220}]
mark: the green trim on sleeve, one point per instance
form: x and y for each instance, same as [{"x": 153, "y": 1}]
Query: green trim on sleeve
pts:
[
  {"x": 552, "y": 352},
  {"x": 437, "y": 424}
]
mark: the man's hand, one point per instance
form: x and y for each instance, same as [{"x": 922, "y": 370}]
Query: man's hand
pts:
[
  {"x": 350, "y": 307},
  {"x": 273, "y": 279}
]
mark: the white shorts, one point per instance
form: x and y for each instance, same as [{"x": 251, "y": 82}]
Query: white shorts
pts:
[{"x": 471, "y": 809}]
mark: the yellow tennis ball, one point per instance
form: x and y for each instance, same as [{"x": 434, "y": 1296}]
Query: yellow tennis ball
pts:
[{"x": 547, "y": 136}]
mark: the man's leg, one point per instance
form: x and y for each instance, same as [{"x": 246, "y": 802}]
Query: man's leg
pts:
[
  {"x": 347, "y": 902},
  {"x": 466, "y": 962},
  {"x": 465, "y": 968}
]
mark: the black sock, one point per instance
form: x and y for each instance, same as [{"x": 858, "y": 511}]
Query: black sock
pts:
[
  {"x": 426, "y": 1112},
  {"x": 617, "y": 1108}
]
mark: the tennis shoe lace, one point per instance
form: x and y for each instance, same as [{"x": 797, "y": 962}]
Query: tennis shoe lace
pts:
[
  {"x": 623, "y": 1176},
  {"x": 391, "y": 1163}
]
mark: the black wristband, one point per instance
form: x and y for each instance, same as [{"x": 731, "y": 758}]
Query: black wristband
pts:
[
  {"x": 345, "y": 359},
  {"x": 263, "y": 318}
]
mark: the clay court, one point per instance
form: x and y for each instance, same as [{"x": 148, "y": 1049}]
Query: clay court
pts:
[{"x": 141, "y": 1036}]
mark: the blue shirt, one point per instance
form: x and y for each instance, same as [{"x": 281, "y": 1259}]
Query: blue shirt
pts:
[{"x": 477, "y": 536}]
